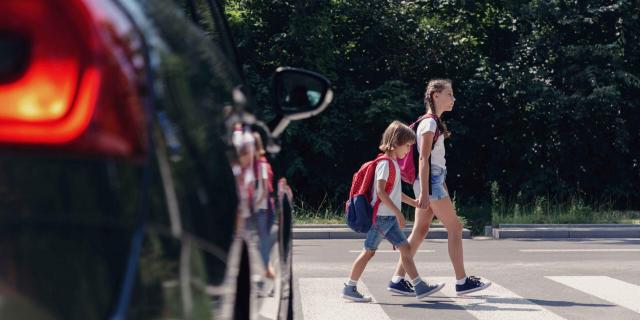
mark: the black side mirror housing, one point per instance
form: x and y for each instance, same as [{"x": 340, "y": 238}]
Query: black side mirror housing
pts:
[{"x": 298, "y": 94}]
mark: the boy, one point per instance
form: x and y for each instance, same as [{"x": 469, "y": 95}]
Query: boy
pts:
[{"x": 396, "y": 142}]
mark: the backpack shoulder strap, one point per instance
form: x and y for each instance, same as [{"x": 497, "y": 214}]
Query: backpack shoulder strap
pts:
[
  {"x": 415, "y": 146},
  {"x": 415, "y": 124},
  {"x": 436, "y": 134},
  {"x": 391, "y": 179}
]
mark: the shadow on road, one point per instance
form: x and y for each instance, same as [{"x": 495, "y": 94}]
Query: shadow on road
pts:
[{"x": 480, "y": 305}]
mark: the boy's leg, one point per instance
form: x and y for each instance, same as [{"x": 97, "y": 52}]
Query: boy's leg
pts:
[
  {"x": 423, "y": 218},
  {"x": 360, "y": 263},
  {"x": 421, "y": 288},
  {"x": 371, "y": 243},
  {"x": 350, "y": 290}
]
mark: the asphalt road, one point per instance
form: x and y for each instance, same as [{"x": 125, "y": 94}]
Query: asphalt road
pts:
[{"x": 532, "y": 279}]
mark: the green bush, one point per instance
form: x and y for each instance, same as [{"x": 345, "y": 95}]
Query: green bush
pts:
[{"x": 548, "y": 92}]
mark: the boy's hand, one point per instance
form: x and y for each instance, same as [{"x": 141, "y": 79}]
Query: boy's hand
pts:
[{"x": 401, "y": 221}]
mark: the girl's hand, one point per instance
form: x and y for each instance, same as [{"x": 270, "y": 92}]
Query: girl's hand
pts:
[{"x": 423, "y": 201}]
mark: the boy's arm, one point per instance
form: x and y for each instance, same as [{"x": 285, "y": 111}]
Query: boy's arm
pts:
[
  {"x": 386, "y": 200},
  {"x": 408, "y": 200}
]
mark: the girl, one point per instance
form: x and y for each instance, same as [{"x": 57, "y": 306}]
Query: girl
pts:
[
  {"x": 263, "y": 203},
  {"x": 433, "y": 196},
  {"x": 396, "y": 141}
]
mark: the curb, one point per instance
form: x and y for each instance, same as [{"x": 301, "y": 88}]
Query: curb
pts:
[
  {"x": 343, "y": 226},
  {"x": 566, "y": 231},
  {"x": 580, "y": 225},
  {"x": 343, "y": 232}
]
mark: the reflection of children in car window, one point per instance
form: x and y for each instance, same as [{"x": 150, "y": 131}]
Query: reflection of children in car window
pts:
[{"x": 298, "y": 98}]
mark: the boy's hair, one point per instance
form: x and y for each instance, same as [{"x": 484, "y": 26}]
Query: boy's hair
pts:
[
  {"x": 433, "y": 86},
  {"x": 396, "y": 134}
]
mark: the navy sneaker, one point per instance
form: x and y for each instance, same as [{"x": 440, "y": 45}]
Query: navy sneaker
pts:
[
  {"x": 472, "y": 284},
  {"x": 424, "y": 289},
  {"x": 351, "y": 293},
  {"x": 403, "y": 287}
]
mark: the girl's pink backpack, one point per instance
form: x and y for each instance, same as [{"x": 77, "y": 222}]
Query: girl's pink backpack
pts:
[{"x": 409, "y": 164}]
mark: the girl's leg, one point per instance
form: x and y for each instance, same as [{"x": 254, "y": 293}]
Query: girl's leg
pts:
[
  {"x": 445, "y": 212},
  {"x": 263, "y": 236},
  {"x": 406, "y": 256},
  {"x": 361, "y": 262},
  {"x": 418, "y": 233},
  {"x": 422, "y": 289}
]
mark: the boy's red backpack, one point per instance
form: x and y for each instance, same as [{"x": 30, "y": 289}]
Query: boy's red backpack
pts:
[
  {"x": 360, "y": 214},
  {"x": 409, "y": 164}
]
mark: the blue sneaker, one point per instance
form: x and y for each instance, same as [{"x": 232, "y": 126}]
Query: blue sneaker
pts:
[
  {"x": 351, "y": 293},
  {"x": 424, "y": 289},
  {"x": 472, "y": 284},
  {"x": 403, "y": 287}
]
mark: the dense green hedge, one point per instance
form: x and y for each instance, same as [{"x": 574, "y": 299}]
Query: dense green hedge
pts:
[{"x": 548, "y": 92}]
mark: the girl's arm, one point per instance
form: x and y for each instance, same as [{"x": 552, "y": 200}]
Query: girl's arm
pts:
[
  {"x": 423, "y": 169},
  {"x": 408, "y": 200},
  {"x": 386, "y": 200}
]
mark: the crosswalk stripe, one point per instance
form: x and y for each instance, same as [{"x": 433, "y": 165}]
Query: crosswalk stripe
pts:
[
  {"x": 269, "y": 304},
  {"x": 391, "y": 251},
  {"x": 579, "y": 250},
  {"x": 269, "y": 307},
  {"x": 606, "y": 288},
  {"x": 495, "y": 303},
  {"x": 321, "y": 299}
]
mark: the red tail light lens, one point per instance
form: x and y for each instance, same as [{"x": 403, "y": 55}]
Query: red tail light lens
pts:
[{"x": 69, "y": 78}]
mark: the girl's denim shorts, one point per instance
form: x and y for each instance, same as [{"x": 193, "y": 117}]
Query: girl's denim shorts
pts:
[{"x": 438, "y": 192}]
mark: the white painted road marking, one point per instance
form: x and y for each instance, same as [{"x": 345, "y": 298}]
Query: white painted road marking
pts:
[
  {"x": 321, "y": 299},
  {"x": 495, "y": 303},
  {"x": 606, "y": 288},
  {"x": 579, "y": 250},
  {"x": 391, "y": 251}
]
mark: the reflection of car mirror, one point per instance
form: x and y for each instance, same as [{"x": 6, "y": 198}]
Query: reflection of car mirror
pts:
[{"x": 299, "y": 94}]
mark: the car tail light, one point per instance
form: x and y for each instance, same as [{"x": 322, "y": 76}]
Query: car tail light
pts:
[{"x": 71, "y": 73}]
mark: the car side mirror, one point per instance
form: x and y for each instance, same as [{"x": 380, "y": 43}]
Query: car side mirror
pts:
[{"x": 299, "y": 94}]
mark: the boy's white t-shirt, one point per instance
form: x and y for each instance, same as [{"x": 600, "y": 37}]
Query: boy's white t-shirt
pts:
[
  {"x": 437, "y": 154},
  {"x": 382, "y": 173}
]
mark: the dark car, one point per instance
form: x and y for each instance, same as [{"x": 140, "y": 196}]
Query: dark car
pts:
[{"x": 121, "y": 193}]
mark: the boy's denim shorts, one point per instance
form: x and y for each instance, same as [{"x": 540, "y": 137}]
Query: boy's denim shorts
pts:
[
  {"x": 385, "y": 227},
  {"x": 438, "y": 192}
]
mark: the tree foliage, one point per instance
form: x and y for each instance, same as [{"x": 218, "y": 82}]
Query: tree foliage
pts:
[{"x": 547, "y": 91}]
